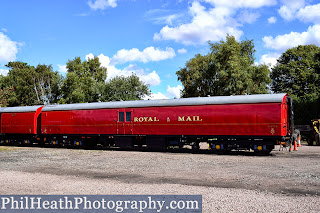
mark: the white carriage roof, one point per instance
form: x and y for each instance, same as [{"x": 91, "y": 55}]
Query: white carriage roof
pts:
[
  {"x": 238, "y": 99},
  {"x": 265, "y": 98},
  {"x": 19, "y": 109}
]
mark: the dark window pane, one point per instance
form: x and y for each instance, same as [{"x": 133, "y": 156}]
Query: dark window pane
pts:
[
  {"x": 128, "y": 116},
  {"x": 121, "y": 116}
]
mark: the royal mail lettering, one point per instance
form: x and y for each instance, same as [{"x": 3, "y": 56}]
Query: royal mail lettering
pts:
[
  {"x": 145, "y": 119},
  {"x": 189, "y": 118}
]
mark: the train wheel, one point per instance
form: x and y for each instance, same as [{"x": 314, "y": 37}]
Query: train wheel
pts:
[
  {"x": 263, "y": 150},
  {"x": 220, "y": 149}
]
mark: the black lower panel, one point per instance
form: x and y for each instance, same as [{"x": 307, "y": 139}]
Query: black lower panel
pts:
[
  {"x": 156, "y": 142},
  {"x": 123, "y": 142}
]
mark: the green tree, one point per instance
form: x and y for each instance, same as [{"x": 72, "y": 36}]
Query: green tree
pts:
[
  {"x": 125, "y": 89},
  {"x": 20, "y": 77},
  {"x": 193, "y": 77},
  {"x": 227, "y": 70},
  {"x": 84, "y": 81},
  {"x": 5, "y": 94},
  {"x": 31, "y": 85},
  {"x": 297, "y": 73},
  {"x": 47, "y": 84}
]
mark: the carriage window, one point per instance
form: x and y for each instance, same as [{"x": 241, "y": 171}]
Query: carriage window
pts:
[
  {"x": 121, "y": 116},
  {"x": 128, "y": 116}
]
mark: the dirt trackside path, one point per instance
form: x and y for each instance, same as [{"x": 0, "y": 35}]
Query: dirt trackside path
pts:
[{"x": 282, "y": 182}]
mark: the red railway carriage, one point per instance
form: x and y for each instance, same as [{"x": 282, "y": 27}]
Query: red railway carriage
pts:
[
  {"x": 19, "y": 123},
  {"x": 226, "y": 122}
]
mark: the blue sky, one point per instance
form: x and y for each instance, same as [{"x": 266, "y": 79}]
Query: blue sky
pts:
[{"x": 151, "y": 38}]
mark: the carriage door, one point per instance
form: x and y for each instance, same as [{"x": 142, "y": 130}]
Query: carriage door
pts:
[{"x": 124, "y": 124}]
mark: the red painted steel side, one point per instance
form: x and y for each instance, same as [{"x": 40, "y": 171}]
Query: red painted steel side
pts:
[
  {"x": 261, "y": 119},
  {"x": 19, "y": 123},
  {"x": 101, "y": 121}
]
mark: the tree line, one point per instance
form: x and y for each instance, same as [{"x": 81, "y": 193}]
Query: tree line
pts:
[
  {"x": 228, "y": 69},
  {"x": 85, "y": 81}
]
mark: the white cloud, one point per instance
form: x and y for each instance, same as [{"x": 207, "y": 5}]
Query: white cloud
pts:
[
  {"x": 152, "y": 78},
  {"x": 269, "y": 59},
  {"x": 289, "y": 8},
  {"x": 4, "y": 72},
  {"x": 212, "y": 24},
  {"x": 102, "y": 4},
  {"x": 90, "y": 56},
  {"x": 309, "y": 13},
  {"x": 155, "y": 96},
  {"x": 247, "y": 17},
  {"x": 163, "y": 16},
  {"x": 104, "y": 60},
  {"x": 286, "y": 13},
  {"x": 297, "y": 9},
  {"x": 8, "y": 49},
  {"x": 62, "y": 68},
  {"x": 272, "y": 20},
  {"x": 241, "y": 3},
  {"x": 148, "y": 54},
  {"x": 4, "y": 30},
  {"x": 149, "y": 78},
  {"x": 182, "y": 51},
  {"x": 170, "y": 18},
  {"x": 283, "y": 42},
  {"x": 82, "y": 14},
  {"x": 174, "y": 91}
]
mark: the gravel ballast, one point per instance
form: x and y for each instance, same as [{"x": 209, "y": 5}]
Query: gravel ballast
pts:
[{"x": 239, "y": 182}]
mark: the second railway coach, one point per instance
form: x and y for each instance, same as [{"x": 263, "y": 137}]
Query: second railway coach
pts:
[{"x": 255, "y": 122}]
